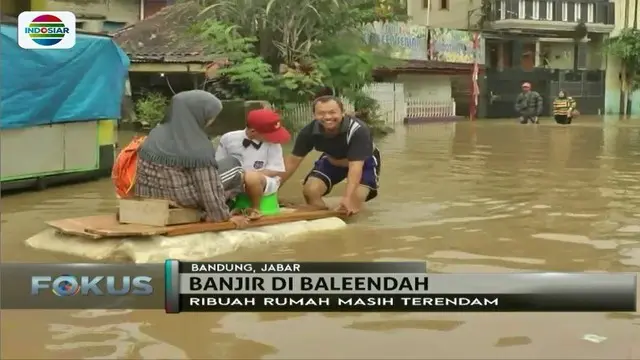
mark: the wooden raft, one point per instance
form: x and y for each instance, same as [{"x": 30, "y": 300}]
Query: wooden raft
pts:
[{"x": 108, "y": 226}]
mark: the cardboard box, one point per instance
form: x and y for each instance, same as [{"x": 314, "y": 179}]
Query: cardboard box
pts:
[{"x": 155, "y": 213}]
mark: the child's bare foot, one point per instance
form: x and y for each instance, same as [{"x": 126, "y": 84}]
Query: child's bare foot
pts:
[{"x": 253, "y": 214}]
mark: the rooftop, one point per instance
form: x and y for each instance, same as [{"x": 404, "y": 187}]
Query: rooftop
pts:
[{"x": 164, "y": 37}]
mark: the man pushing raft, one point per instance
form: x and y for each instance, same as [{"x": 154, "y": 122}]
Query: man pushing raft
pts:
[
  {"x": 348, "y": 152},
  {"x": 177, "y": 162}
]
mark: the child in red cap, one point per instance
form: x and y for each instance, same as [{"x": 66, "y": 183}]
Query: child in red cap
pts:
[{"x": 259, "y": 150}]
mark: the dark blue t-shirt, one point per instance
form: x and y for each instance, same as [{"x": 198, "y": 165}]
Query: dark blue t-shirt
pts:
[{"x": 354, "y": 142}]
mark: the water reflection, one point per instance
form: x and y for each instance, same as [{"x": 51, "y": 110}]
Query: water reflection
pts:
[
  {"x": 121, "y": 340},
  {"x": 491, "y": 196}
]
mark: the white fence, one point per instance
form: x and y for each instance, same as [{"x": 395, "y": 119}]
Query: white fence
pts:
[
  {"x": 298, "y": 115},
  {"x": 394, "y": 107},
  {"x": 425, "y": 108},
  {"x": 390, "y": 98}
]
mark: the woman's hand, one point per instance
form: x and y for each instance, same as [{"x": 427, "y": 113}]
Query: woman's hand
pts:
[{"x": 240, "y": 221}]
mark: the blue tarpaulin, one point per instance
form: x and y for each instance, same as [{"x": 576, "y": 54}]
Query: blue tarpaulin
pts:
[{"x": 39, "y": 87}]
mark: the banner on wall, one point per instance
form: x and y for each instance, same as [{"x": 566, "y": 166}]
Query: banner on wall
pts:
[
  {"x": 407, "y": 42},
  {"x": 455, "y": 46}
]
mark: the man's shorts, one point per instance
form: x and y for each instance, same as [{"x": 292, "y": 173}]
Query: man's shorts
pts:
[
  {"x": 231, "y": 174},
  {"x": 331, "y": 175}
]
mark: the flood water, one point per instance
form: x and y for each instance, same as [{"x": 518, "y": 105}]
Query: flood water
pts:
[{"x": 490, "y": 196}]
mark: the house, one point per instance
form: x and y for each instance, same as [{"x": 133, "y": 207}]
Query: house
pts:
[
  {"x": 555, "y": 44},
  {"x": 164, "y": 54},
  {"x": 441, "y": 13},
  {"x": 627, "y": 15},
  {"x": 92, "y": 15},
  {"x": 432, "y": 80}
]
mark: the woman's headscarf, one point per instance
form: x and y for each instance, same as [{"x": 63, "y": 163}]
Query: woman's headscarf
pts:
[{"x": 180, "y": 140}]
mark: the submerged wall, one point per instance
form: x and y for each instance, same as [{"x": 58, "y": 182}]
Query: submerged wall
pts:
[{"x": 613, "y": 83}]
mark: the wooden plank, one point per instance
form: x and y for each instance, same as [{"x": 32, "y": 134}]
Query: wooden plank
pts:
[
  {"x": 107, "y": 226},
  {"x": 264, "y": 221},
  {"x": 103, "y": 226},
  {"x": 75, "y": 226}
]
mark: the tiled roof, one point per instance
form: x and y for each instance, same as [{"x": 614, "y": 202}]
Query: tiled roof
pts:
[
  {"x": 165, "y": 37},
  {"x": 428, "y": 67}
]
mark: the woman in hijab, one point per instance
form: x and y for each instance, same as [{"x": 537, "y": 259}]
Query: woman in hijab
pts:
[
  {"x": 564, "y": 108},
  {"x": 177, "y": 161}
]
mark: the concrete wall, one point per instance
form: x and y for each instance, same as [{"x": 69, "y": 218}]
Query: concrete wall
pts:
[
  {"x": 613, "y": 84},
  {"x": 123, "y": 11},
  {"x": 455, "y": 16},
  {"x": 14, "y": 7},
  {"x": 560, "y": 55},
  {"x": 117, "y": 12},
  {"x": 431, "y": 87}
]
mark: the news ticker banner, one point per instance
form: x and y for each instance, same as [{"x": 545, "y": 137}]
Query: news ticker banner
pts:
[{"x": 307, "y": 287}]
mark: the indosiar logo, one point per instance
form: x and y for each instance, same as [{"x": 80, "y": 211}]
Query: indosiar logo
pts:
[
  {"x": 46, "y": 30},
  {"x": 69, "y": 285}
]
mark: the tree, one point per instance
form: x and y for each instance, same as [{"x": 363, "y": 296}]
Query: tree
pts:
[
  {"x": 626, "y": 47},
  {"x": 296, "y": 32},
  {"x": 244, "y": 73},
  {"x": 308, "y": 44},
  {"x": 293, "y": 27}
]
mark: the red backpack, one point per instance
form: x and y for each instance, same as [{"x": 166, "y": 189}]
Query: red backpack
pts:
[{"x": 123, "y": 173}]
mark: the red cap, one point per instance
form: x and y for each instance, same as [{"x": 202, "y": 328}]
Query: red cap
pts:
[{"x": 266, "y": 122}]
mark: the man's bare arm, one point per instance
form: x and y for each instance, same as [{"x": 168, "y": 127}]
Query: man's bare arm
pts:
[
  {"x": 291, "y": 164},
  {"x": 353, "y": 178}
]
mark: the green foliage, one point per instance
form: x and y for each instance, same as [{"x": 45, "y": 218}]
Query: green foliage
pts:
[
  {"x": 245, "y": 73},
  {"x": 283, "y": 51},
  {"x": 348, "y": 63},
  {"x": 626, "y": 47},
  {"x": 368, "y": 110},
  {"x": 291, "y": 28},
  {"x": 297, "y": 85},
  {"x": 323, "y": 34},
  {"x": 150, "y": 109}
]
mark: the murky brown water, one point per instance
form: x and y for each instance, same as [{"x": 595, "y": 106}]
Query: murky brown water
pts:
[{"x": 492, "y": 196}]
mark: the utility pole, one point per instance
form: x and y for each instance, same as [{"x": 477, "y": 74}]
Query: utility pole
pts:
[{"x": 627, "y": 9}]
